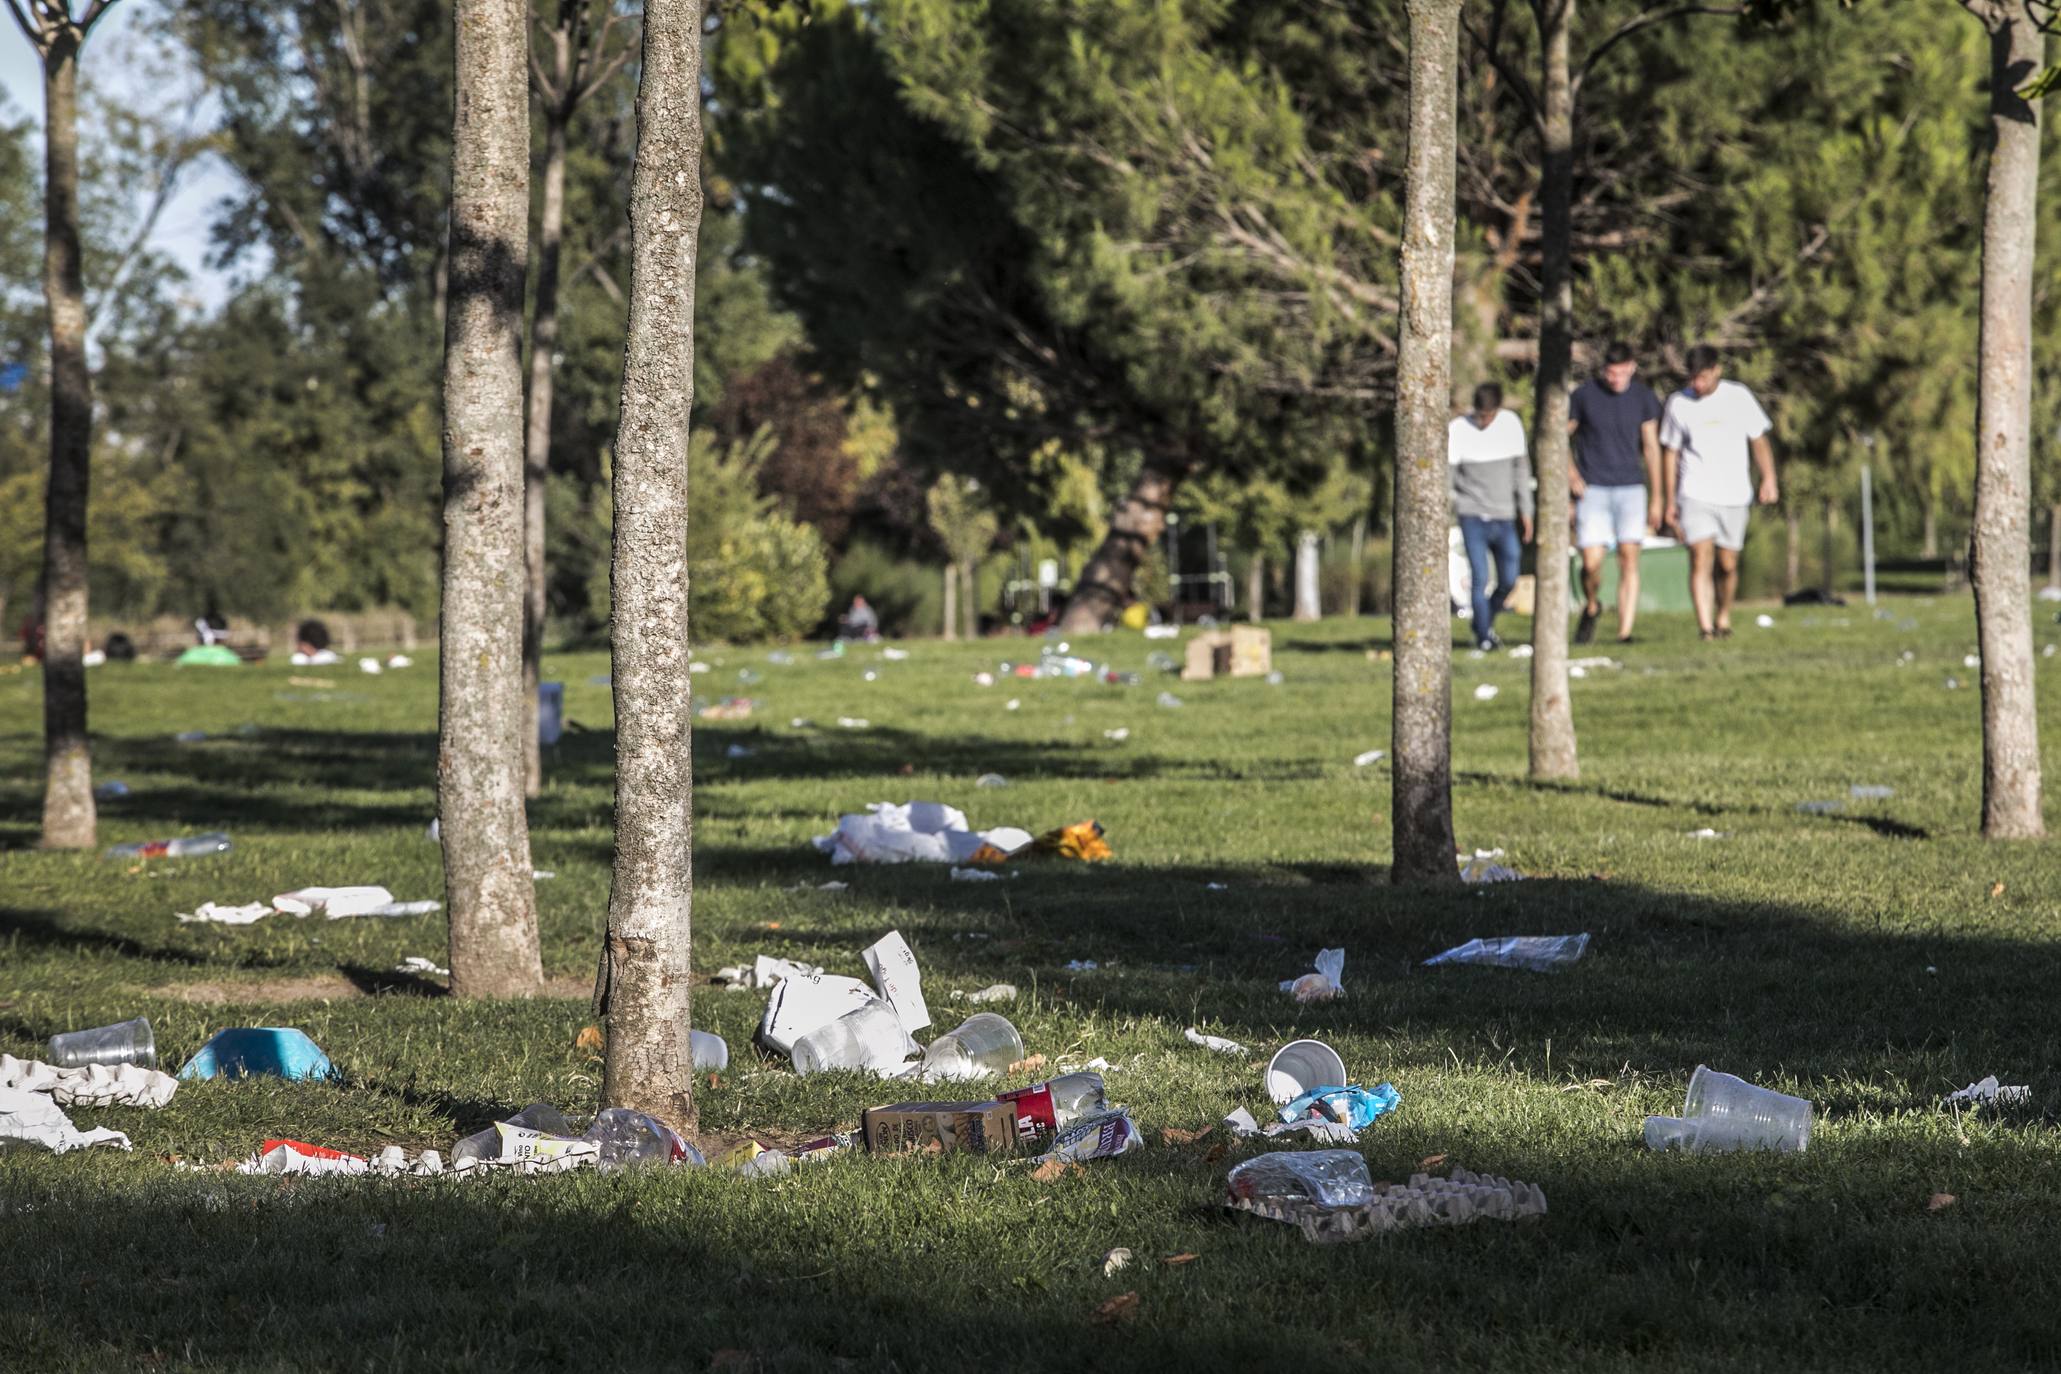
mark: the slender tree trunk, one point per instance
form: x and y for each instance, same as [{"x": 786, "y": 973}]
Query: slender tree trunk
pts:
[
  {"x": 1792, "y": 550},
  {"x": 1308, "y": 602},
  {"x": 537, "y": 444},
  {"x": 2054, "y": 546},
  {"x": 1553, "y": 753},
  {"x": 68, "y": 814},
  {"x": 1105, "y": 585},
  {"x": 1828, "y": 575},
  {"x": 951, "y": 600},
  {"x": 969, "y": 603},
  {"x": 643, "y": 990},
  {"x": 1256, "y": 587},
  {"x": 1423, "y": 713},
  {"x": 1930, "y": 548},
  {"x": 491, "y": 899},
  {"x": 1353, "y": 596},
  {"x": 2001, "y": 553}
]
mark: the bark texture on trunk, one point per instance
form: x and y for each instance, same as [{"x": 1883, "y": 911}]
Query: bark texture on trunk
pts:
[
  {"x": 69, "y": 820},
  {"x": 1353, "y": 594},
  {"x": 1423, "y": 716},
  {"x": 1930, "y": 548},
  {"x": 2054, "y": 545},
  {"x": 1309, "y": 603},
  {"x": 643, "y": 991},
  {"x": 489, "y": 894},
  {"x": 537, "y": 441},
  {"x": 1256, "y": 587},
  {"x": 969, "y": 603},
  {"x": 1828, "y": 574},
  {"x": 951, "y": 600},
  {"x": 1104, "y": 587},
  {"x": 1792, "y": 550},
  {"x": 2001, "y": 548},
  {"x": 1553, "y": 753}
]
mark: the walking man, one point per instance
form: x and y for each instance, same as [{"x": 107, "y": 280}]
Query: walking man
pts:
[
  {"x": 1708, "y": 429},
  {"x": 1615, "y": 420},
  {"x": 1491, "y": 471}
]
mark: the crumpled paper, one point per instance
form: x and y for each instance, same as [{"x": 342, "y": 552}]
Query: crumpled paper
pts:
[
  {"x": 94, "y": 1085},
  {"x": 1323, "y": 985},
  {"x": 32, "y": 1118},
  {"x": 921, "y": 832},
  {"x": 1243, "y": 1125}
]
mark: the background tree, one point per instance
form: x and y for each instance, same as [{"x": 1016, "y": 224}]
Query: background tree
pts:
[
  {"x": 490, "y": 895},
  {"x": 966, "y": 530},
  {"x": 69, "y": 820},
  {"x": 646, "y": 961},
  {"x": 1423, "y": 713}
]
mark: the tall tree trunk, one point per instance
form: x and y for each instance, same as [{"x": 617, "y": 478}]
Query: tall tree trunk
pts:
[
  {"x": 1552, "y": 711},
  {"x": 1828, "y": 575},
  {"x": 1792, "y": 550},
  {"x": 1359, "y": 556},
  {"x": 1105, "y": 585},
  {"x": 1308, "y": 599},
  {"x": 1423, "y": 713},
  {"x": 1930, "y": 548},
  {"x": 2001, "y": 548},
  {"x": 951, "y": 600},
  {"x": 969, "y": 603},
  {"x": 2054, "y": 546},
  {"x": 68, "y": 814},
  {"x": 643, "y": 990},
  {"x": 490, "y": 896},
  {"x": 537, "y": 444},
  {"x": 1256, "y": 587}
]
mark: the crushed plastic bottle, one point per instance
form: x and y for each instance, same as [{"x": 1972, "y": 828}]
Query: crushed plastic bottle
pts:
[
  {"x": 631, "y": 1139},
  {"x": 191, "y": 847},
  {"x": 1329, "y": 1178}
]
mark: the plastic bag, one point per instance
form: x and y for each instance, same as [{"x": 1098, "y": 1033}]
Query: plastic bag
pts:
[
  {"x": 1538, "y": 953},
  {"x": 1323, "y": 985}
]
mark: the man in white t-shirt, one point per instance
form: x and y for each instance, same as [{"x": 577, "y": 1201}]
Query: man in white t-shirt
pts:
[{"x": 1709, "y": 430}]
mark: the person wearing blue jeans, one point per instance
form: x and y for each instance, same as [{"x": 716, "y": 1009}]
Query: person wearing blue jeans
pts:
[{"x": 1490, "y": 463}]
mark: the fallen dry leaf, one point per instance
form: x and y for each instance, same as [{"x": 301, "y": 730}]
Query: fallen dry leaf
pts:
[
  {"x": 589, "y": 1038},
  {"x": 1940, "y": 1200},
  {"x": 1216, "y": 1152},
  {"x": 1118, "y": 1308},
  {"x": 1115, "y": 1260},
  {"x": 1185, "y": 1257},
  {"x": 1052, "y": 1170},
  {"x": 1174, "y": 1135},
  {"x": 1031, "y": 1064},
  {"x": 1430, "y": 1162},
  {"x": 1996, "y": 890}
]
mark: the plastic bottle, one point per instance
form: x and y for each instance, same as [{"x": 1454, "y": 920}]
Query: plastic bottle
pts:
[
  {"x": 191, "y": 847},
  {"x": 1329, "y": 1178}
]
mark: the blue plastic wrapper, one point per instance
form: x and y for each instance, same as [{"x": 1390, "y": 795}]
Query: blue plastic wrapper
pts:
[
  {"x": 251, "y": 1050},
  {"x": 1350, "y": 1106}
]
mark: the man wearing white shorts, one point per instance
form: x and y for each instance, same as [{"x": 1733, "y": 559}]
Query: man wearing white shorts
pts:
[
  {"x": 1615, "y": 420},
  {"x": 1708, "y": 431}
]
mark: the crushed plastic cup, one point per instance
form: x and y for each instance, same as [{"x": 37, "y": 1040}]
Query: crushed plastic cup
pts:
[
  {"x": 1302, "y": 1066},
  {"x": 868, "y": 1037},
  {"x": 126, "y": 1042},
  {"x": 983, "y": 1044},
  {"x": 1328, "y": 1178},
  {"x": 1723, "y": 1112}
]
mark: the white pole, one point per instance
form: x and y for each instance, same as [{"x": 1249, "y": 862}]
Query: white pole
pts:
[{"x": 1868, "y": 530}]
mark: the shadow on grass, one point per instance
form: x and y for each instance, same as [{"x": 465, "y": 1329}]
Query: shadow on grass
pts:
[{"x": 26, "y": 928}]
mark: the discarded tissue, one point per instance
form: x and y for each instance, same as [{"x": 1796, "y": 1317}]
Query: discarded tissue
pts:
[{"x": 1323, "y": 985}]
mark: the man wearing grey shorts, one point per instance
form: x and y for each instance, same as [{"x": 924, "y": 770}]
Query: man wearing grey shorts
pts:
[{"x": 1708, "y": 432}]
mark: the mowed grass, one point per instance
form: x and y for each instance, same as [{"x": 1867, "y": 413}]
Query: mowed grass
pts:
[{"x": 1873, "y": 959}]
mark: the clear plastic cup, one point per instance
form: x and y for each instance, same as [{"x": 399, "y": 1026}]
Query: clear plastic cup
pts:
[
  {"x": 985, "y": 1043},
  {"x": 129, "y": 1042},
  {"x": 867, "y": 1037},
  {"x": 1728, "y": 1113},
  {"x": 1301, "y": 1066}
]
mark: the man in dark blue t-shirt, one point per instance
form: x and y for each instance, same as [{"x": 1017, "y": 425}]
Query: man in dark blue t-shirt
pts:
[{"x": 1615, "y": 420}]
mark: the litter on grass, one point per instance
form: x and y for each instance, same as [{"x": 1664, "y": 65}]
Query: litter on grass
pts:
[
  {"x": 250, "y": 1051},
  {"x": 1242, "y": 1124},
  {"x": 993, "y": 992},
  {"x": 416, "y": 964},
  {"x": 1721, "y": 1112},
  {"x": 1483, "y": 868},
  {"x": 1323, "y": 985},
  {"x": 90, "y": 1085},
  {"x": 1214, "y": 1042},
  {"x": 1330, "y": 1197},
  {"x": 925, "y": 832},
  {"x": 1984, "y": 1093},
  {"x": 979, "y": 875},
  {"x": 1118, "y": 735},
  {"x": 1372, "y": 756},
  {"x": 335, "y": 903},
  {"x": 1862, "y": 791},
  {"x": 34, "y": 1118},
  {"x": 1537, "y": 953}
]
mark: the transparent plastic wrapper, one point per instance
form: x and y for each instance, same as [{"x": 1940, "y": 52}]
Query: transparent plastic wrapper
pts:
[
  {"x": 1422, "y": 1202},
  {"x": 190, "y": 847},
  {"x": 1323, "y": 985},
  {"x": 870, "y": 1037},
  {"x": 983, "y": 1044},
  {"x": 1355, "y": 1108},
  {"x": 1328, "y": 1178},
  {"x": 1102, "y": 1136},
  {"x": 1722, "y": 1112},
  {"x": 125, "y": 1042},
  {"x": 1537, "y": 953},
  {"x": 1483, "y": 868}
]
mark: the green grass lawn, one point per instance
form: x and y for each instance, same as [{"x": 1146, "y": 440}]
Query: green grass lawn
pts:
[{"x": 1872, "y": 959}]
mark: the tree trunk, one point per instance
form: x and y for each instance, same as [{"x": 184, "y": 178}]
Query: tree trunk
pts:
[
  {"x": 643, "y": 990},
  {"x": 1930, "y": 548},
  {"x": 1104, "y": 588},
  {"x": 2054, "y": 546},
  {"x": 969, "y": 602},
  {"x": 1552, "y": 711},
  {"x": 951, "y": 600},
  {"x": 68, "y": 814},
  {"x": 1828, "y": 575},
  {"x": 1359, "y": 556},
  {"x": 1256, "y": 587},
  {"x": 1308, "y": 600},
  {"x": 537, "y": 444},
  {"x": 1792, "y": 549},
  {"x": 490, "y": 897},
  {"x": 2001, "y": 543},
  {"x": 1423, "y": 712}
]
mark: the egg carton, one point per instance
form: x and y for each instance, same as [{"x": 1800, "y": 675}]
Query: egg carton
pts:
[{"x": 1424, "y": 1201}]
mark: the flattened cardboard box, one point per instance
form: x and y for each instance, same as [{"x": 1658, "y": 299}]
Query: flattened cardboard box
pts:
[{"x": 938, "y": 1127}]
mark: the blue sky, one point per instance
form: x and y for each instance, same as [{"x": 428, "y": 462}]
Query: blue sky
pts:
[{"x": 182, "y": 231}]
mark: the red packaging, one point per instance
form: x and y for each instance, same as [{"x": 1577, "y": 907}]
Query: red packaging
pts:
[{"x": 1034, "y": 1111}]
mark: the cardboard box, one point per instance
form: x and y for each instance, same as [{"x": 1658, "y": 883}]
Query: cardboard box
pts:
[
  {"x": 1241, "y": 651},
  {"x": 938, "y": 1127}
]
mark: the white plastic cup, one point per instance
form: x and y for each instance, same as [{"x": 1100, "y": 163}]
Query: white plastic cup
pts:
[
  {"x": 867, "y": 1037},
  {"x": 1301, "y": 1065},
  {"x": 983, "y": 1044},
  {"x": 1728, "y": 1113}
]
